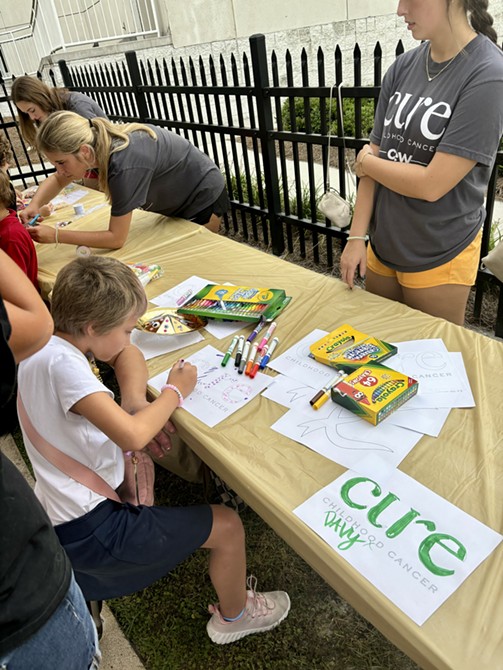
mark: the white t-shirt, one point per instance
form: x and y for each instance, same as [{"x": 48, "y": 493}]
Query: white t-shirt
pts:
[{"x": 50, "y": 383}]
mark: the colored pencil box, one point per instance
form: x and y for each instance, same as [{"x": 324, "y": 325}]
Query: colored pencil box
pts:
[
  {"x": 348, "y": 349},
  {"x": 236, "y": 303},
  {"x": 374, "y": 391}
]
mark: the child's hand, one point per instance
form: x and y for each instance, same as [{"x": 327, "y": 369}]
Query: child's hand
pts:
[{"x": 184, "y": 376}]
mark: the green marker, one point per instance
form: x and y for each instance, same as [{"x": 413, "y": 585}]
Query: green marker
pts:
[{"x": 229, "y": 351}]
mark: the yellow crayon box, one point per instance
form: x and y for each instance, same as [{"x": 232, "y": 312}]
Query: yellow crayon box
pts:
[
  {"x": 348, "y": 349},
  {"x": 374, "y": 391}
]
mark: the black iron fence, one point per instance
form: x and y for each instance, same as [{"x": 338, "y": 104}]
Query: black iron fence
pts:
[{"x": 265, "y": 123}]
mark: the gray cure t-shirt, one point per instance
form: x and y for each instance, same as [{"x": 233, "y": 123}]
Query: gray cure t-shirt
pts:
[
  {"x": 459, "y": 112},
  {"x": 168, "y": 175}
]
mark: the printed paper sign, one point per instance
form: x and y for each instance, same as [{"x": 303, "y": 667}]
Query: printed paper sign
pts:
[{"x": 411, "y": 544}]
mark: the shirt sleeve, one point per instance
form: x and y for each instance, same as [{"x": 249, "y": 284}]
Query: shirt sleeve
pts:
[{"x": 471, "y": 134}]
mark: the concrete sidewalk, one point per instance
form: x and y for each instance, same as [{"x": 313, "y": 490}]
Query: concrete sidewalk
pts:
[{"x": 117, "y": 652}]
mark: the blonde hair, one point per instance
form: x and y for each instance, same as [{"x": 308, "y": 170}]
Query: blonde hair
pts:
[
  {"x": 67, "y": 132},
  {"x": 5, "y": 189},
  {"x": 32, "y": 90},
  {"x": 97, "y": 291}
]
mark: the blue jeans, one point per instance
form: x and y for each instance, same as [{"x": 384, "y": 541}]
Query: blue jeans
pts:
[{"x": 67, "y": 640}]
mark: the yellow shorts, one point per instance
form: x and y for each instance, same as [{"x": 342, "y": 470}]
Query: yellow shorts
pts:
[{"x": 460, "y": 270}]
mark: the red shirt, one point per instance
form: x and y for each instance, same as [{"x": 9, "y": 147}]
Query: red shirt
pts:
[{"x": 17, "y": 243}]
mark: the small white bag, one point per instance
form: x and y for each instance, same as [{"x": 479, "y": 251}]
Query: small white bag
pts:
[
  {"x": 335, "y": 208},
  {"x": 332, "y": 204},
  {"x": 494, "y": 261}
]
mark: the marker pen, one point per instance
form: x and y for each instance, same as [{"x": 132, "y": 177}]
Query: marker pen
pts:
[
  {"x": 265, "y": 360},
  {"x": 268, "y": 334},
  {"x": 322, "y": 396},
  {"x": 244, "y": 357},
  {"x": 251, "y": 358},
  {"x": 257, "y": 363},
  {"x": 256, "y": 330},
  {"x": 239, "y": 352},
  {"x": 229, "y": 351}
]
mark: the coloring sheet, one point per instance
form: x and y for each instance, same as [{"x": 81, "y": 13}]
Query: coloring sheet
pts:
[
  {"x": 345, "y": 438},
  {"x": 441, "y": 375},
  {"x": 69, "y": 197},
  {"x": 294, "y": 394},
  {"x": 220, "y": 391},
  {"x": 297, "y": 364},
  {"x": 415, "y": 547},
  {"x": 152, "y": 345},
  {"x": 179, "y": 294}
]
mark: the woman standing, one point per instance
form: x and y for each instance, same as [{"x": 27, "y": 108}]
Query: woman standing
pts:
[
  {"x": 423, "y": 177},
  {"x": 140, "y": 166}
]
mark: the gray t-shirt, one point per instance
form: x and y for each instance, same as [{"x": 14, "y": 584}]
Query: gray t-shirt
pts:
[
  {"x": 459, "y": 112},
  {"x": 84, "y": 106},
  {"x": 168, "y": 175}
]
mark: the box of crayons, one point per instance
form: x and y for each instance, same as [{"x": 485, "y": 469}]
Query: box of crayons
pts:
[
  {"x": 348, "y": 349},
  {"x": 374, "y": 391},
  {"x": 236, "y": 303}
]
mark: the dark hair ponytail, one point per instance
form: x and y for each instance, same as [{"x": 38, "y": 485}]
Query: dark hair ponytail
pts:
[{"x": 480, "y": 19}]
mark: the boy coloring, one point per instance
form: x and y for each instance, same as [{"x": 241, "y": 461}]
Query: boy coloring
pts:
[{"x": 116, "y": 548}]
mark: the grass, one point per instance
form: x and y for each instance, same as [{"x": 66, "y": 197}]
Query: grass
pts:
[{"x": 166, "y": 622}]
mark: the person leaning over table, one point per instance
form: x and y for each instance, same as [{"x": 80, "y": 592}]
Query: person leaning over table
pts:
[
  {"x": 437, "y": 128},
  {"x": 35, "y": 100},
  {"x": 44, "y": 621},
  {"x": 140, "y": 166}
]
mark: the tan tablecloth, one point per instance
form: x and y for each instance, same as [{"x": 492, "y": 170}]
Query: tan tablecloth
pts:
[{"x": 274, "y": 474}]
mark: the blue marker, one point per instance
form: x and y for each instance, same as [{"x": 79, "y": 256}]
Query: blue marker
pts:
[
  {"x": 34, "y": 220},
  {"x": 267, "y": 357}
]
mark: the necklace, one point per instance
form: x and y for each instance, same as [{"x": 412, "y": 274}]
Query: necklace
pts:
[
  {"x": 434, "y": 76},
  {"x": 92, "y": 364}
]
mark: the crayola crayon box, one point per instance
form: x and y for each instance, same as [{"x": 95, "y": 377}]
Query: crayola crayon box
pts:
[
  {"x": 347, "y": 349},
  {"x": 374, "y": 391}
]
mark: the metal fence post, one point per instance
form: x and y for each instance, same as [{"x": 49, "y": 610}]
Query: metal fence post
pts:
[
  {"x": 135, "y": 77},
  {"x": 265, "y": 125},
  {"x": 65, "y": 73}
]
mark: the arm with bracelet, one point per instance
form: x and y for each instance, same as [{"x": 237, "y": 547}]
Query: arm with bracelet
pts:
[{"x": 354, "y": 255}]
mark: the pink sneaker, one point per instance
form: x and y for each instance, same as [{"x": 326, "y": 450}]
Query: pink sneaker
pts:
[{"x": 263, "y": 611}]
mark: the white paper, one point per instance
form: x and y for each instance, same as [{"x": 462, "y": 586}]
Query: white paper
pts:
[
  {"x": 297, "y": 364},
  {"x": 220, "y": 391},
  {"x": 408, "y": 566},
  {"x": 69, "y": 198},
  {"x": 291, "y": 393},
  {"x": 441, "y": 376},
  {"x": 179, "y": 294},
  {"x": 345, "y": 438},
  {"x": 152, "y": 345}
]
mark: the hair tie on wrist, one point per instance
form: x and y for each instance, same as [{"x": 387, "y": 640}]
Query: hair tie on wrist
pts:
[
  {"x": 176, "y": 390},
  {"x": 357, "y": 237}
]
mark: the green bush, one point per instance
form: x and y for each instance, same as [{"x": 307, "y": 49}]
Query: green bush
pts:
[{"x": 315, "y": 115}]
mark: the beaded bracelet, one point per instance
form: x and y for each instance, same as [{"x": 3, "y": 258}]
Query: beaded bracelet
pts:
[
  {"x": 176, "y": 390},
  {"x": 357, "y": 237}
]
